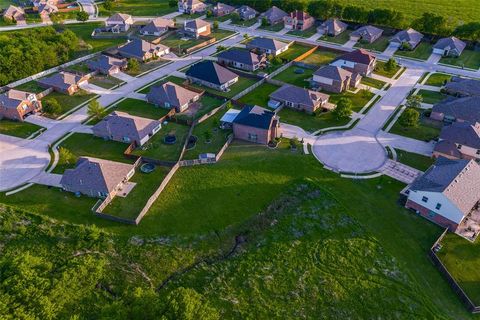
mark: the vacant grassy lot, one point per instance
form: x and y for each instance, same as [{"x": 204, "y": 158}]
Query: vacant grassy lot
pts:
[
  {"x": 17, "y": 128},
  {"x": 382, "y": 71},
  {"x": 247, "y": 23},
  {"x": 31, "y": 86},
  {"x": 260, "y": 95},
  {"x": 414, "y": 160},
  {"x": 425, "y": 131},
  {"x": 67, "y": 102},
  {"x": 342, "y": 38},
  {"x": 296, "y": 76},
  {"x": 379, "y": 45},
  {"x": 438, "y": 79},
  {"x": 468, "y": 59},
  {"x": 309, "y": 122},
  {"x": 145, "y": 67},
  {"x": 422, "y": 52},
  {"x": 140, "y": 8},
  {"x": 320, "y": 57},
  {"x": 84, "y": 32},
  {"x": 173, "y": 79},
  {"x": 431, "y": 97},
  {"x": 294, "y": 51},
  {"x": 303, "y": 34}
]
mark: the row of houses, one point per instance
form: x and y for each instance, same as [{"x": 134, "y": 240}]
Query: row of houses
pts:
[{"x": 44, "y": 8}]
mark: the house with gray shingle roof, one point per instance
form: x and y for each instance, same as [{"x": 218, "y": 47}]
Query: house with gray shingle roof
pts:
[
  {"x": 449, "y": 47},
  {"x": 196, "y": 28},
  {"x": 157, "y": 27},
  {"x": 119, "y": 22},
  {"x": 64, "y": 82},
  {"x": 247, "y": 13},
  {"x": 211, "y": 74},
  {"x": 273, "y": 15},
  {"x": 367, "y": 34},
  {"x": 16, "y": 104},
  {"x": 267, "y": 46},
  {"x": 191, "y": 6},
  {"x": 107, "y": 65},
  {"x": 242, "y": 59},
  {"x": 142, "y": 50},
  {"x": 447, "y": 192},
  {"x": 335, "y": 79},
  {"x": 359, "y": 61},
  {"x": 457, "y": 109},
  {"x": 409, "y": 38},
  {"x": 463, "y": 87},
  {"x": 301, "y": 99},
  {"x": 459, "y": 140},
  {"x": 222, "y": 9},
  {"x": 123, "y": 127},
  {"x": 97, "y": 177},
  {"x": 332, "y": 27},
  {"x": 170, "y": 95},
  {"x": 256, "y": 124}
]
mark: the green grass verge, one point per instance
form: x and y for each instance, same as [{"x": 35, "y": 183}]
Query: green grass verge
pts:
[
  {"x": 438, "y": 79},
  {"x": 414, "y": 160},
  {"x": 422, "y": 52},
  {"x": 17, "y": 128},
  {"x": 468, "y": 59},
  {"x": 260, "y": 95}
]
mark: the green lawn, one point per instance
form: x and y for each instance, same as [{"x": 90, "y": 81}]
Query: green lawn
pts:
[
  {"x": 310, "y": 122},
  {"x": 468, "y": 59},
  {"x": 219, "y": 19},
  {"x": 260, "y": 95},
  {"x": 31, "y": 86},
  {"x": 379, "y": 45},
  {"x": 299, "y": 79},
  {"x": 303, "y": 34},
  {"x": 425, "y": 131},
  {"x": 84, "y": 32},
  {"x": 295, "y": 50},
  {"x": 207, "y": 104},
  {"x": 140, "y": 8},
  {"x": 79, "y": 67},
  {"x": 374, "y": 83},
  {"x": 438, "y": 79},
  {"x": 414, "y": 160},
  {"x": 431, "y": 97},
  {"x": 68, "y": 102},
  {"x": 106, "y": 82},
  {"x": 129, "y": 207},
  {"x": 176, "y": 42},
  {"x": 359, "y": 99},
  {"x": 275, "y": 28},
  {"x": 185, "y": 16},
  {"x": 87, "y": 145},
  {"x": 217, "y": 140},
  {"x": 247, "y": 23},
  {"x": 17, "y": 128},
  {"x": 239, "y": 86},
  {"x": 145, "y": 67},
  {"x": 140, "y": 108},
  {"x": 155, "y": 148},
  {"x": 342, "y": 38},
  {"x": 320, "y": 57},
  {"x": 381, "y": 71},
  {"x": 422, "y": 52}
]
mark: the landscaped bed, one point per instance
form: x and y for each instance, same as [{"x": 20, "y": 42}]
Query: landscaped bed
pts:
[
  {"x": 438, "y": 79},
  {"x": 296, "y": 75},
  {"x": 260, "y": 95},
  {"x": 468, "y": 59},
  {"x": 17, "y": 128},
  {"x": 320, "y": 57},
  {"x": 426, "y": 130},
  {"x": 422, "y": 52}
]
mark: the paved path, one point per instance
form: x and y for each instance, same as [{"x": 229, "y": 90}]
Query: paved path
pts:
[
  {"x": 124, "y": 77},
  {"x": 90, "y": 87},
  {"x": 47, "y": 179},
  {"x": 391, "y": 49},
  {"x": 41, "y": 121},
  {"x": 349, "y": 43},
  {"x": 400, "y": 171},
  {"x": 89, "y": 7},
  {"x": 83, "y": 129},
  {"x": 405, "y": 143}
]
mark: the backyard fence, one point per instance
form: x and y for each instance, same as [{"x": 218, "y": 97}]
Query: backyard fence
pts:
[
  {"x": 218, "y": 155},
  {"x": 44, "y": 93},
  {"x": 306, "y": 54}
]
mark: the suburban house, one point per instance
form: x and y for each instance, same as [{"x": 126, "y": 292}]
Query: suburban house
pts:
[
  {"x": 256, "y": 124},
  {"x": 170, "y": 95},
  {"x": 273, "y": 15},
  {"x": 366, "y": 34},
  {"x": 142, "y": 50},
  {"x": 461, "y": 110},
  {"x": 242, "y": 59},
  {"x": 268, "y": 46},
  {"x": 463, "y": 87},
  {"x": 409, "y": 38},
  {"x": 332, "y": 27},
  {"x": 460, "y": 140},
  {"x": 64, "y": 82},
  {"x": 359, "y": 61},
  {"x": 15, "y": 14},
  {"x": 449, "y": 47},
  {"x": 447, "y": 192},
  {"x": 119, "y": 22},
  {"x": 299, "y": 20},
  {"x": 157, "y": 27},
  {"x": 191, "y": 6},
  {"x": 211, "y": 74},
  {"x": 301, "y": 99},
  {"x": 45, "y": 10},
  {"x": 336, "y": 79},
  {"x": 222, "y": 9},
  {"x": 97, "y": 177},
  {"x": 226, "y": 122},
  {"x": 16, "y": 104},
  {"x": 247, "y": 13},
  {"x": 123, "y": 127},
  {"x": 196, "y": 28},
  {"x": 107, "y": 65}
]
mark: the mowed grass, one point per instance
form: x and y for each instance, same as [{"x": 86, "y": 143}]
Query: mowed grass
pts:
[
  {"x": 140, "y": 108},
  {"x": 17, "y": 128},
  {"x": 371, "y": 82},
  {"x": 310, "y": 122},
  {"x": 421, "y": 52},
  {"x": 106, "y": 82},
  {"x": 342, "y": 38},
  {"x": 303, "y": 34},
  {"x": 320, "y": 57},
  {"x": 438, "y": 79},
  {"x": 359, "y": 99},
  {"x": 84, "y": 32},
  {"x": 378, "y": 45},
  {"x": 426, "y": 130},
  {"x": 381, "y": 70},
  {"x": 414, "y": 160},
  {"x": 141, "y": 7},
  {"x": 260, "y": 95},
  {"x": 468, "y": 59},
  {"x": 273, "y": 28},
  {"x": 67, "y": 102},
  {"x": 431, "y": 97},
  {"x": 295, "y": 50},
  {"x": 242, "y": 84},
  {"x": 30, "y": 86},
  {"x": 296, "y": 75}
]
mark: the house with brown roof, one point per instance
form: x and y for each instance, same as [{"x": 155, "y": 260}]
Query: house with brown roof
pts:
[
  {"x": 359, "y": 61},
  {"x": 457, "y": 109},
  {"x": 447, "y": 193},
  {"x": 97, "y": 177},
  {"x": 211, "y": 74},
  {"x": 15, "y": 14},
  {"x": 16, "y": 104},
  {"x": 274, "y": 15},
  {"x": 64, "y": 82},
  {"x": 462, "y": 87},
  {"x": 409, "y": 39},
  {"x": 170, "y": 95},
  {"x": 191, "y": 6},
  {"x": 242, "y": 59},
  {"x": 256, "y": 124},
  {"x": 196, "y": 28},
  {"x": 119, "y": 22},
  {"x": 45, "y": 10},
  {"x": 335, "y": 79},
  {"x": 222, "y": 9},
  {"x": 368, "y": 34},
  {"x": 449, "y": 47},
  {"x": 332, "y": 27},
  {"x": 298, "y": 20},
  {"x": 459, "y": 140},
  {"x": 123, "y": 127},
  {"x": 301, "y": 99},
  {"x": 142, "y": 50},
  {"x": 107, "y": 65},
  {"x": 267, "y": 46},
  {"x": 157, "y": 27}
]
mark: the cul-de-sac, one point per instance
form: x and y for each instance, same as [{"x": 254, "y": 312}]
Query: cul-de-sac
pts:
[{"x": 256, "y": 159}]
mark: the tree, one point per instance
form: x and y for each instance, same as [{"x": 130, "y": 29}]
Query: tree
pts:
[
  {"x": 409, "y": 118},
  {"x": 215, "y": 25},
  {"x": 343, "y": 109},
  {"x": 228, "y": 105},
  {"x": 82, "y": 16},
  {"x": 187, "y": 304},
  {"x": 209, "y": 13},
  {"x": 355, "y": 14},
  {"x": 264, "y": 22},
  {"x": 246, "y": 36},
  {"x": 469, "y": 30},
  {"x": 96, "y": 110},
  {"x": 66, "y": 156},
  {"x": 56, "y": 18},
  {"x": 405, "y": 46},
  {"x": 432, "y": 23},
  {"x": 133, "y": 65},
  {"x": 221, "y": 48},
  {"x": 172, "y": 3},
  {"x": 414, "y": 101},
  {"x": 391, "y": 65},
  {"x": 51, "y": 106},
  {"x": 109, "y": 4}
]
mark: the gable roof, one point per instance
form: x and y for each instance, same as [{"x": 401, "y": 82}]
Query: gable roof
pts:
[
  {"x": 241, "y": 56},
  {"x": 158, "y": 24},
  {"x": 334, "y": 25},
  {"x": 299, "y": 15},
  {"x": 138, "y": 47},
  {"x": 448, "y": 148},
  {"x": 223, "y": 7},
  {"x": 267, "y": 44},
  {"x": 119, "y": 17},
  {"x": 274, "y": 14},
  {"x": 12, "y": 98},
  {"x": 172, "y": 93},
  {"x": 464, "y": 86},
  {"x": 256, "y": 117},
  {"x": 95, "y": 174},
  {"x": 246, "y": 10},
  {"x": 196, "y": 24},
  {"x": 357, "y": 56},
  {"x": 47, "y": 8},
  {"x": 212, "y": 72},
  {"x": 455, "y": 179},
  {"x": 333, "y": 72},
  {"x": 13, "y": 11},
  {"x": 410, "y": 35},
  {"x": 450, "y": 43},
  {"x": 467, "y": 108},
  {"x": 367, "y": 31},
  {"x": 105, "y": 63},
  {"x": 62, "y": 80},
  {"x": 299, "y": 95},
  {"x": 463, "y": 133}
]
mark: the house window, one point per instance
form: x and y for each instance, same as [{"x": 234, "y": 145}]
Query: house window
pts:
[
  {"x": 478, "y": 151},
  {"x": 431, "y": 214},
  {"x": 424, "y": 199},
  {"x": 459, "y": 146},
  {"x": 438, "y": 206},
  {"x": 252, "y": 137}
]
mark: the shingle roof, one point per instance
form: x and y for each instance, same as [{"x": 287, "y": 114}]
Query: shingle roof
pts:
[
  {"x": 212, "y": 72},
  {"x": 246, "y": 10},
  {"x": 467, "y": 108},
  {"x": 334, "y": 25},
  {"x": 463, "y": 133},
  {"x": 255, "y": 116},
  {"x": 367, "y": 30},
  {"x": 299, "y": 95},
  {"x": 223, "y": 7},
  {"x": 456, "y": 179},
  {"x": 105, "y": 63},
  {"x": 95, "y": 174},
  {"x": 448, "y": 148},
  {"x": 171, "y": 93},
  {"x": 464, "y": 86},
  {"x": 358, "y": 56},
  {"x": 241, "y": 56},
  {"x": 12, "y": 98},
  {"x": 158, "y": 24},
  {"x": 47, "y": 7},
  {"x": 300, "y": 15},
  {"x": 450, "y": 43},
  {"x": 410, "y": 35},
  {"x": 267, "y": 44},
  {"x": 63, "y": 80},
  {"x": 274, "y": 14},
  {"x": 138, "y": 47},
  {"x": 196, "y": 24},
  {"x": 333, "y": 72},
  {"x": 119, "y": 16},
  {"x": 13, "y": 11}
]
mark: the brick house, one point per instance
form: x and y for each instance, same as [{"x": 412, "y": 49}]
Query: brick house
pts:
[
  {"x": 301, "y": 99},
  {"x": 359, "y": 61},
  {"x": 64, "y": 82},
  {"x": 242, "y": 59},
  {"x": 196, "y": 28},
  {"x": 45, "y": 10},
  {"x": 119, "y": 22},
  {"x": 457, "y": 109},
  {"x": 335, "y": 79},
  {"x": 410, "y": 37},
  {"x": 299, "y": 20},
  {"x": 459, "y": 140},
  {"x": 256, "y": 124},
  {"x": 142, "y": 50},
  {"x": 191, "y": 6},
  {"x": 170, "y": 95},
  {"x": 16, "y": 104},
  {"x": 367, "y": 34},
  {"x": 211, "y": 74}
]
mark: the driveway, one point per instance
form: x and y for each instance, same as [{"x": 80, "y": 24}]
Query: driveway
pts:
[
  {"x": 388, "y": 53},
  {"x": 434, "y": 58},
  {"x": 350, "y": 43},
  {"x": 124, "y": 77},
  {"x": 47, "y": 179},
  {"x": 89, "y": 7},
  {"x": 41, "y": 121},
  {"x": 406, "y": 144}
]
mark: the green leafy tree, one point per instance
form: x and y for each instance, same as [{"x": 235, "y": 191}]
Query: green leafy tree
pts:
[
  {"x": 355, "y": 14},
  {"x": 405, "y": 46},
  {"x": 414, "y": 101},
  {"x": 409, "y": 118},
  {"x": 390, "y": 65},
  {"x": 209, "y": 13},
  {"x": 109, "y": 5},
  {"x": 343, "y": 109},
  {"x": 56, "y": 18},
  {"x": 469, "y": 31},
  {"x": 51, "y": 106},
  {"x": 264, "y": 22},
  {"x": 133, "y": 65},
  {"x": 96, "y": 110},
  {"x": 221, "y": 48},
  {"x": 66, "y": 156},
  {"x": 187, "y": 304},
  {"x": 432, "y": 23},
  {"x": 82, "y": 16},
  {"x": 215, "y": 25}
]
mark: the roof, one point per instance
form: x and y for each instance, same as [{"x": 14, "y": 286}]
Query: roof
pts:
[
  {"x": 196, "y": 24},
  {"x": 139, "y": 47},
  {"x": 410, "y": 35},
  {"x": 119, "y": 17},
  {"x": 105, "y": 63},
  {"x": 358, "y": 56},
  {"x": 172, "y": 93},
  {"x": 13, "y": 10},
  {"x": 274, "y": 14},
  {"x": 467, "y": 109},
  {"x": 267, "y": 43},
  {"x": 456, "y": 179},
  {"x": 192, "y": 2},
  {"x": 96, "y": 174},
  {"x": 463, "y": 133},
  {"x": 12, "y": 98},
  {"x": 465, "y": 86},
  {"x": 334, "y": 25},
  {"x": 223, "y": 7},
  {"x": 241, "y": 56},
  {"x": 450, "y": 43},
  {"x": 333, "y": 72},
  {"x": 448, "y": 148},
  {"x": 246, "y": 10},
  {"x": 212, "y": 72},
  {"x": 47, "y": 7},
  {"x": 255, "y": 116},
  {"x": 62, "y": 80},
  {"x": 124, "y": 124},
  {"x": 230, "y": 115},
  {"x": 299, "y": 95},
  {"x": 367, "y": 30},
  {"x": 299, "y": 15},
  {"x": 158, "y": 24}
]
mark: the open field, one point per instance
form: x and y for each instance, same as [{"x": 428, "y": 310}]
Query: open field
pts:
[
  {"x": 468, "y": 59},
  {"x": 17, "y": 128},
  {"x": 140, "y": 8},
  {"x": 425, "y": 131}
]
